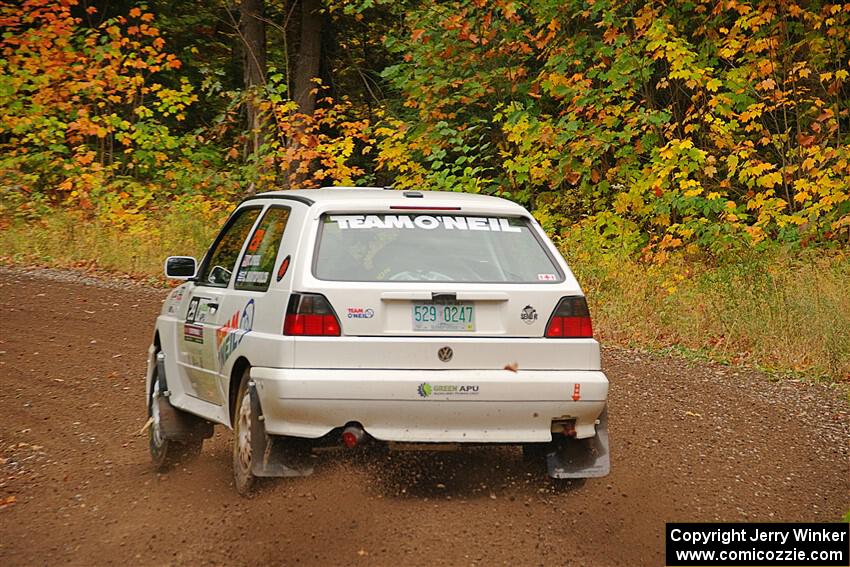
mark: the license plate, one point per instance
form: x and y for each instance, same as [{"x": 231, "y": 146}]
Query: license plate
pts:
[{"x": 443, "y": 316}]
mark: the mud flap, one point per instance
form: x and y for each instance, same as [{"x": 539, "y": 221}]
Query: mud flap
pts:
[
  {"x": 274, "y": 456},
  {"x": 583, "y": 458},
  {"x": 176, "y": 424}
]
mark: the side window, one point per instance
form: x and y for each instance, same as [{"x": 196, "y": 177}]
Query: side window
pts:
[
  {"x": 218, "y": 270},
  {"x": 257, "y": 266}
]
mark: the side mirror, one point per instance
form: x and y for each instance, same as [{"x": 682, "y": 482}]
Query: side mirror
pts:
[{"x": 180, "y": 267}]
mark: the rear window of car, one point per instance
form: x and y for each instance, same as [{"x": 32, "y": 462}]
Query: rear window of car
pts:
[{"x": 425, "y": 248}]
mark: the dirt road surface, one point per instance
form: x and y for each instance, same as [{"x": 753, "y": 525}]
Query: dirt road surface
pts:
[{"x": 690, "y": 442}]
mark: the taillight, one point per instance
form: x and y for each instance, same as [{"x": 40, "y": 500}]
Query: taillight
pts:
[
  {"x": 571, "y": 319},
  {"x": 310, "y": 314}
]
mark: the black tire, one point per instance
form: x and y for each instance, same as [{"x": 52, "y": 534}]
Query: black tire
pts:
[
  {"x": 242, "y": 455},
  {"x": 163, "y": 451},
  {"x": 167, "y": 453}
]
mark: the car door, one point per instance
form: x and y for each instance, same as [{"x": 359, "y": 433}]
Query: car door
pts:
[
  {"x": 198, "y": 352},
  {"x": 251, "y": 312}
]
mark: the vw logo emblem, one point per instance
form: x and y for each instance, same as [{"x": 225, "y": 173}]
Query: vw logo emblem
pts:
[{"x": 445, "y": 354}]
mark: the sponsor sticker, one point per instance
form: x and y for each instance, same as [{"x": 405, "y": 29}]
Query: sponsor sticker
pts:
[
  {"x": 425, "y": 222},
  {"x": 200, "y": 309},
  {"x": 229, "y": 335},
  {"x": 256, "y": 240},
  {"x": 426, "y": 390},
  {"x": 528, "y": 315},
  {"x": 252, "y": 277},
  {"x": 174, "y": 298},
  {"x": 360, "y": 313},
  {"x": 193, "y": 309},
  {"x": 251, "y": 260},
  {"x": 193, "y": 333}
]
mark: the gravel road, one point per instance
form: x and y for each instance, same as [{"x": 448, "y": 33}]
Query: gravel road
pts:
[{"x": 690, "y": 442}]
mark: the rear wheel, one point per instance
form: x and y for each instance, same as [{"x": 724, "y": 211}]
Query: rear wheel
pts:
[{"x": 243, "y": 457}]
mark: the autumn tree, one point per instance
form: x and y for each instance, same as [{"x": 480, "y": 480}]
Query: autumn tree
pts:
[{"x": 656, "y": 126}]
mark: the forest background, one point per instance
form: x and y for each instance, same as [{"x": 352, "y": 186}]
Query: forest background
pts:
[{"x": 691, "y": 158}]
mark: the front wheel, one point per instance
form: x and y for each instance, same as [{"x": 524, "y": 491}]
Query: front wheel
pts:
[
  {"x": 160, "y": 447},
  {"x": 166, "y": 452},
  {"x": 243, "y": 457}
]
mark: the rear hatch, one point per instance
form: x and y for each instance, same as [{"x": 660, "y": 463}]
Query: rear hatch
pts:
[{"x": 404, "y": 285}]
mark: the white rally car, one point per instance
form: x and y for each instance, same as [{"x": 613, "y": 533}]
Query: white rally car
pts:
[{"x": 350, "y": 316}]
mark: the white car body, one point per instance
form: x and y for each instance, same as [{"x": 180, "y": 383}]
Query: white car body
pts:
[{"x": 504, "y": 383}]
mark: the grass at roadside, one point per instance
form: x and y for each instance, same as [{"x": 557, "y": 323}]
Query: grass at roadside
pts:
[
  {"x": 776, "y": 309},
  {"x": 69, "y": 241}
]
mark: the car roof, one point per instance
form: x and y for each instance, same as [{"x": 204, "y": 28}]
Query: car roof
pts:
[{"x": 348, "y": 197}]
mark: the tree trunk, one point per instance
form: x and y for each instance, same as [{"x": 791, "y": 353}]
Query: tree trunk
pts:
[
  {"x": 307, "y": 62},
  {"x": 252, "y": 32},
  {"x": 309, "y": 56}
]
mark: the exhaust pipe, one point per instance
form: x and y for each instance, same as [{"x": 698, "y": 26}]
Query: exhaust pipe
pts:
[{"x": 352, "y": 436}]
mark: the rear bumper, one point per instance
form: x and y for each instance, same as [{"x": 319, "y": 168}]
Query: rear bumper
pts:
[{"x": 466, "y": 406}]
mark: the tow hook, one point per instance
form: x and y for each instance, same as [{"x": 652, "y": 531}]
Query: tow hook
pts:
[
  {"x": 352, "y": 436},
  {"x": 565, "y": 427}
]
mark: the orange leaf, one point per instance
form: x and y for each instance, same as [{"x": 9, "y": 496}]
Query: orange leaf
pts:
[
  {"x": 766, "y": 84},
  {"x": 805, "y": 141}
]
